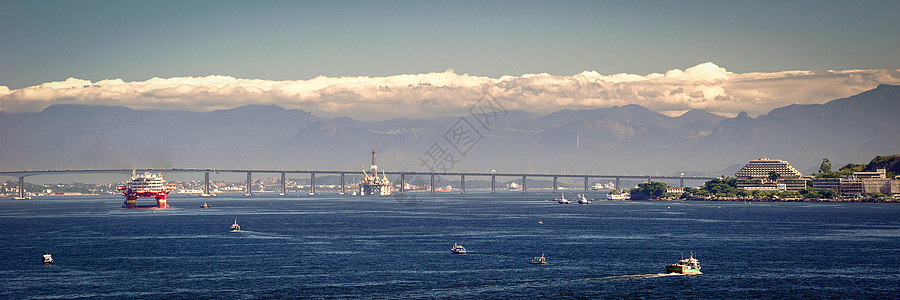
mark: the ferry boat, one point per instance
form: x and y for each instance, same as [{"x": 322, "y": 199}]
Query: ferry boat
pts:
[
  {"x": 539, "y": 260},
  {"x": 145, "y": 185},
  {"x": 514, "y": 186},
  {"x": 458, "y": 249},
  {"x": 412, "y": 187},
  {"x": 204, "y": 205},
  {"x": 582, "y": 199},
  {"x": 622, "y": 196},
  {"x": 685, "y": 266},
  {"x": 563, "y": 199},
  {"x": 603, "y": 187},
  {"x": 48, "y": 259},
  {"x": 235, "y": 227},
  {"x": 190, "y": 191}
]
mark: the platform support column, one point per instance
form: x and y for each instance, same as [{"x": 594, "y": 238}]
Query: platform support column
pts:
[
  {"x": 432, "y": 183},
  {"x": 206, "y": 183},
  {"x": 249, "y": 185},
  {"x": 283, "y": 185},
  {"x": 493, "y": 184},
  {"x": 402, "y": 183},
  {"x": 462, "y": 183},
  {"x": 21, "y": 187},
  {"x": 524, "y": 186},
  {"x": 312, "y": 183},
  {"x": 585, "y": 184},
  {"x": 342, "y": 184},
  {"x": 555, "y": 186}
]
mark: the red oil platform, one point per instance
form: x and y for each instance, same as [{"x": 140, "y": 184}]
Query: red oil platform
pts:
[{"x": 145, "y": 185}]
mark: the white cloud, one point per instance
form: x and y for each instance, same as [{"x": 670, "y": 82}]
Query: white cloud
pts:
[{"x": 704, "y": 86}]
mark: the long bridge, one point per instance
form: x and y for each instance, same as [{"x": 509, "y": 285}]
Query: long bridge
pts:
[{"x": 312, "y": 176}]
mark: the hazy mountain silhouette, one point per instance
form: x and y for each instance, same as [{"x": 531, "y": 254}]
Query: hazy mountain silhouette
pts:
[{"x": 629, "y": 138}]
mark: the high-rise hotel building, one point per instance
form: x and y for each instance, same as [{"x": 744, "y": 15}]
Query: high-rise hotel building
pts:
[{"x": 755, "y": 175}]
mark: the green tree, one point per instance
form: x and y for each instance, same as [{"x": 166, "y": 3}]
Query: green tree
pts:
[
  {"x": 652, "y": 190},
  {"x": 825, "y": 167},
  {"x": 773, "y": 176}
]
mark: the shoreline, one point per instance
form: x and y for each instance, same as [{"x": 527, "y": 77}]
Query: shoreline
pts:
[{"x": 850, "y": 200}]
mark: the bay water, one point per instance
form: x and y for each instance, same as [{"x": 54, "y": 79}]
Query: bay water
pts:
[{"x": 331, "y": 246}]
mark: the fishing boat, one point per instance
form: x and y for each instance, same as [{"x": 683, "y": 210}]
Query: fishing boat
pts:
[
  {"x": 685, "y": 266},
  {"x": 582, "y": 199},
  {"x": 458, "y": 249},
  {"x": 48, "y": 259},
  {"x": 562, "y": 199},
  {"x": 204, "y": 205},
  {"x": 235, "y": 227},
  {"x": 539, "y": 260}
]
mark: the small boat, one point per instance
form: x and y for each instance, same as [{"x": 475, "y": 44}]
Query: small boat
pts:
[
  {"x": 444, "y": 189},
  {"x": 458, "y": 249},
  {"x": 685, "y": 266},
  {"x": 563, "y": 199},
  {"x": 235, "y": 227},
  {"x": 622, "y": 196},
  {"x": 204, "y": 205},
  {"x": 48, "y": 259},
  {"x": 582, "y": 199},
  {"x": 539, "y": 260}
]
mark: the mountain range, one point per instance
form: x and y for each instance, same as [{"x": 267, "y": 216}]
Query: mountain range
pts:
[{"x": 629, "y": 139}]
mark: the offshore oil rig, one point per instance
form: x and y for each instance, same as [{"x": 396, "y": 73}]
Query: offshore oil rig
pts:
[
  {"x": 372, "y": 184},
  {"x": 145, "y": 185}
]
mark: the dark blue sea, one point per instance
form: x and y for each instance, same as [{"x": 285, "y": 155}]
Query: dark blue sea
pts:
[{"x": 330, "y": 246}]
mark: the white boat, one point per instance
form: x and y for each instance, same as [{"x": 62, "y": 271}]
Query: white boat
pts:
[
  {"x": 457, "y": 249},
  {"x": 622, "y": 196},
  {"x": 235, "y": 227},
  {"x": 563, "y": 199},
  {"x": 539, "y": 260},
  {"x": 514, "y": 186},
  {"x": 205, "y": 205},
  {"x": 48, "y": 259},
  {"x": 582, "y": 199}
]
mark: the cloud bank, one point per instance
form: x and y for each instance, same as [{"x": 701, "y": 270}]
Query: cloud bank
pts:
[{"x": 705, "y": 86}]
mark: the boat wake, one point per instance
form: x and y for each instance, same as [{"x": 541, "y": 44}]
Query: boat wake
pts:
[{"x": 636, "y": 276}]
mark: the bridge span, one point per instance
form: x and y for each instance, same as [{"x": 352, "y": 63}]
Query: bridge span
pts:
[{"x": 312, "y": 176}]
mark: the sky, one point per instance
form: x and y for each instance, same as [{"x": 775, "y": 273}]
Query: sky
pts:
[{"x": 375, "y": 60}]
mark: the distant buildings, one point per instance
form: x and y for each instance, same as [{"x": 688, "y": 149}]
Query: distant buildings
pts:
[
  {"x": 770, "y": 175},
  {"x": 675, "y": 189},
  {"x": 860, "y": 183}
]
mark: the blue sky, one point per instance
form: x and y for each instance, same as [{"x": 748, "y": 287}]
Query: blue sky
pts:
[
  {"x": 50, "y": 41},
  {"x": 53, "y": 40}
]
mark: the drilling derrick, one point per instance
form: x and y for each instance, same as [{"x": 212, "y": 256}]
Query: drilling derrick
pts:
[{"x": 372, "y": 184}]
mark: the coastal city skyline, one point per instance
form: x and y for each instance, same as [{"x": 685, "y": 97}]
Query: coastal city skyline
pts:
[{"x": 432, "y": 59}]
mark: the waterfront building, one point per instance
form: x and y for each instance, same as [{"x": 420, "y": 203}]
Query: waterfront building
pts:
[
  {"x": 675, "y": 189},
  {"x": 860, "y": 183},
  {"x": 755, "y": 176}
]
